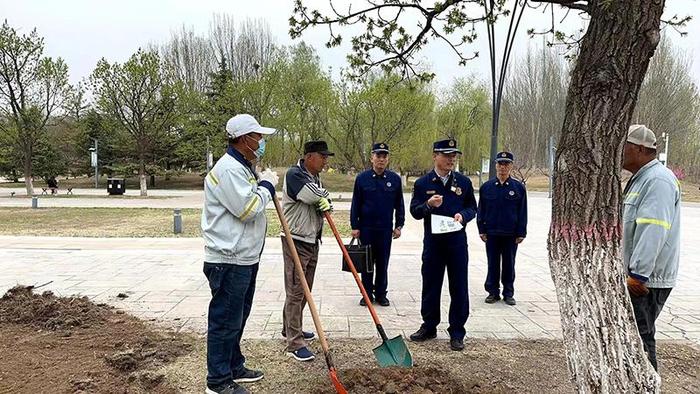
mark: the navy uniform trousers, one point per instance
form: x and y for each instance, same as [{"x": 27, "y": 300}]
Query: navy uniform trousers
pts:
[
  {"x": 500, "y": 254},
  {"x": 376, "y": 283},
  {"x": 442, "y": 253}
]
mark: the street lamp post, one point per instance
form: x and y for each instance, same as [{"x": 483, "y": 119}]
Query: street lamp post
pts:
[
  {"x": 663, "y": 157},
  {"x": 498, "y": 75},
  {"x": 209, "y": 158},
  {"x": 94, "y": 160}
]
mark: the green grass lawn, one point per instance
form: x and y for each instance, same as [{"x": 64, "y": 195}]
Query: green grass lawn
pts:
[
  {"x": 335, "y": 182},
  {"x": 115, "y": 197},
  {"x": 183, "y": 181},
  {"x": 122, "y": 222}
]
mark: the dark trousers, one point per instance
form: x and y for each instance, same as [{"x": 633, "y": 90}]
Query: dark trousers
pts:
[
  {"x": 500, "y": 253},
  {"x": 646, "y": 309},
  {"x": 438, "y": 256},
  {"x": 232, "y": 289},
  {"x": 376, "y": 283},
  {"x": 294, "y": 302}
]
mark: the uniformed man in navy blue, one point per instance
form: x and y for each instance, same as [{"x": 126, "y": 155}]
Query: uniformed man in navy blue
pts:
[
  {"x": 502, "y": 222},
  {"x": 448, "y": 194},
  {"x": 376, "y": 199}
]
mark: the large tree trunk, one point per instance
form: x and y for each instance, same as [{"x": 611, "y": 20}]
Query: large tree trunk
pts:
[
  {"x": 142, "y": 177},
  {"x": 28, "y": 181},
  {"x": 604, "y": 351}
]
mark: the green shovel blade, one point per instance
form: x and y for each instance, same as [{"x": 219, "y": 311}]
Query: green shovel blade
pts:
[{"x": 393, "y": 352}]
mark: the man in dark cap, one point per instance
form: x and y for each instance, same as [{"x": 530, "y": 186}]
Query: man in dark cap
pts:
[
  {"x": 444, "y": 199},
  {"x": 376, "y": 196},
  {"x": 502, "y": 222},
  {"x": 303, "y": 201}
]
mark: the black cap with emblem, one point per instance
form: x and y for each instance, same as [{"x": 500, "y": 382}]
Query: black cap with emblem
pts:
[
  {"x": 380, "y": 147},
  {"x": 446, "y": 146},
  {"x": 504, "y": 157}
]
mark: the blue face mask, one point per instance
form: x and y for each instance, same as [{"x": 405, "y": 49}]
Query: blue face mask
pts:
[{"x": 261, "y": 149}]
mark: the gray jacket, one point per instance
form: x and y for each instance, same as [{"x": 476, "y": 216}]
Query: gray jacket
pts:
[
  {"x": 301, "y": 192},
  {"x": 651, "y": 226},
  {"x": 233, "y": 218}
]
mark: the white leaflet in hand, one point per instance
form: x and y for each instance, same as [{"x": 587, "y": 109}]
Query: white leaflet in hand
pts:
[{"x": 444, "y": 224}]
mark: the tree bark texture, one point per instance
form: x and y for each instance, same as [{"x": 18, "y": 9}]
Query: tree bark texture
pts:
[
  {"x": 604, "y": 351},
  {"x": 142, "y": 177},
  {"x": 28, "y": 180}
]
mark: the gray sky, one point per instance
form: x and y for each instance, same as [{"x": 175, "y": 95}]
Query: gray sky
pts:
[{"x": 83, "y": 31}]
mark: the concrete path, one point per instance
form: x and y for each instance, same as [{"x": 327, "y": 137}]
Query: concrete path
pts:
[{"x": 164, "y": 281}]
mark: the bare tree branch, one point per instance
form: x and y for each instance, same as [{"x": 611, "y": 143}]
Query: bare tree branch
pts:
[{"x": 581, "y": 5}]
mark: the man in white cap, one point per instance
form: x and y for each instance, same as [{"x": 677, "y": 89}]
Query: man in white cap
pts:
[
  {"x": 651, "y": 232},
  {"x": 234, "y": 226}
]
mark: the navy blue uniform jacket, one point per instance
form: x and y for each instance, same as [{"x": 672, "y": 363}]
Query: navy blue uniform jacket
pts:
[
  {"x": 457, "y": 197},
  {"x": 502, "y": 208},
  {"x": 374, "y": 200}
]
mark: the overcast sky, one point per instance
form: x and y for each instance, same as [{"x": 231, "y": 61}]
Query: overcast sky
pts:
[{"x": 83, "y": 31}]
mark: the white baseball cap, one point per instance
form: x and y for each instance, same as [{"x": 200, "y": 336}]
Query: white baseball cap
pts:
[
  {"x": 639, "y": 134},
  {"x": 243, "y": 124}
]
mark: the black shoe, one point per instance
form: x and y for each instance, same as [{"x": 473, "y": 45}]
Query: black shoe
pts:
[
  {"x": 229, "y": 388},
  {"x": 249, "y": 376},
  {"x": 457, "y": 344},
  {"x": 423, "y": 335},
  {"x": 383, "y": 301},
  {"x": 492, "y": 299},
  {"x": 509, "y": 300},
  {"x": 308, "y": 335},
  {"x": 363, "y": 303}
]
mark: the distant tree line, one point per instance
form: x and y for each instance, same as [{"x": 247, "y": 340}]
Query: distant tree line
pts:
[{"x": 163, "y": 109}]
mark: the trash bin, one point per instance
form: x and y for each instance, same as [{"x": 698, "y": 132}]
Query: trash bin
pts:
[{"x": 116, "y": 186}]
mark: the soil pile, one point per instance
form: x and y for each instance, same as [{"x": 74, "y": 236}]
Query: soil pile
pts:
[{"x": 70, "y": 344}]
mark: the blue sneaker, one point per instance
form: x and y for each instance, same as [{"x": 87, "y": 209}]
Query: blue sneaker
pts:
[{"x": 302, "y": 354}]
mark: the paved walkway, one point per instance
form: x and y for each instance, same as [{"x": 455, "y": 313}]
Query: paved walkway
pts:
[{"x": 164, "y": 281}]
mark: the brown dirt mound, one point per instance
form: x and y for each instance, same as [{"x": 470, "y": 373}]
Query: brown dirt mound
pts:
[
  {"x": 70, "y": 344},
  {"x": 21, "y": 306},
  {"x": 400, "y": 380}
]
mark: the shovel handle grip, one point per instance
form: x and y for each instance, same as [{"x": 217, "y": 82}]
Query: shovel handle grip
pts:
[
  {"x": 346, "y": 255},
  {"x": 382, "y": 333}
]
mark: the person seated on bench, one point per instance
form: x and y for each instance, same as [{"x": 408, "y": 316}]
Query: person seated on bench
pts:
[{"x": 53, "y": 185}]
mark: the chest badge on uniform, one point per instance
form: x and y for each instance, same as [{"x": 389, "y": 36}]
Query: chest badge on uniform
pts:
[
  {"x": 458, "y": 191},
  {"x": 511, "y": 193},
  {"x": 388, "y": 184}
]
